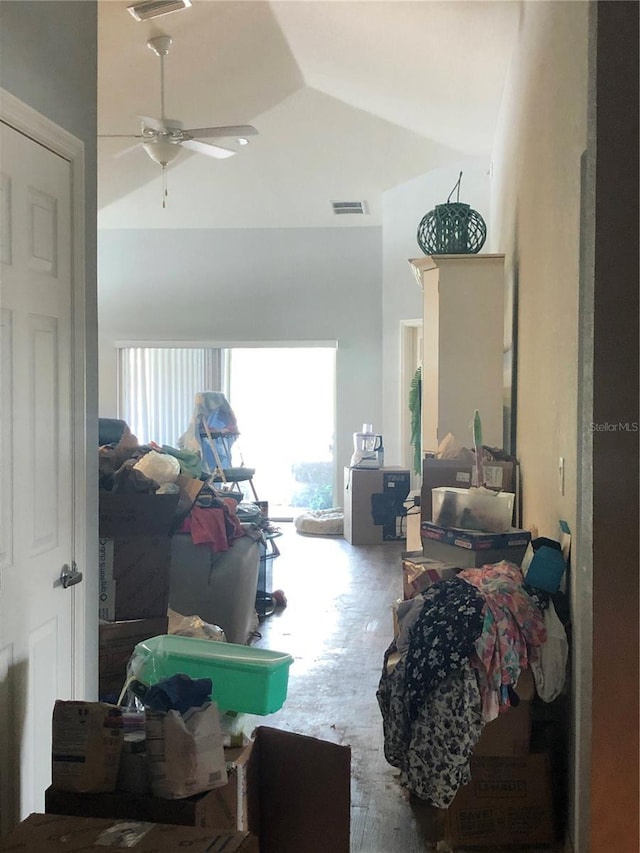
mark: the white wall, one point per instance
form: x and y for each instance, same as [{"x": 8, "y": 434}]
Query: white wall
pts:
[
  {"x": 350, "y": 285},
  {"x": 250, "y": 285},
  {"x": 48, "y": 59},
  {"x": 541, "y": 138},
  {"x": 403, "y": 208}
]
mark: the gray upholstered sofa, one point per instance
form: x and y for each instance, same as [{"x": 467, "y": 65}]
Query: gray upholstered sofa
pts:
[{"x": 218, "y": 587}]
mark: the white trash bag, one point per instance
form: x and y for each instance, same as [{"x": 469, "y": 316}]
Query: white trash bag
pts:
[{"x": 161, "y": 467}]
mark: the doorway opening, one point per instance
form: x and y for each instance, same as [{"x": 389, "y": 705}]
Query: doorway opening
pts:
[{"x": 411, "y": 332}]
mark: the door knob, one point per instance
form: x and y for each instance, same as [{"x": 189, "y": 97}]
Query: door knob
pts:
[{"x": 69, "y": 576}]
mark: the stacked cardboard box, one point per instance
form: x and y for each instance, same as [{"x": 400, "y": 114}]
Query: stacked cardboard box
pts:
[
  {"x": 457, "y": 473},
  {"x": 420, "y": 572},
  {"x": 62, "y": 833},
  {"x": 134, "y": 555},
  {"x": 507, "y": 803},
  {"x": 374, "y": 510},
  {"x": 134, "y": 564},
  {"x": 470, "y": 548},
  {"x": 289, "y": 790},
  {"x": 117, "y": 641},
  {"x": 509, "y": 798}
]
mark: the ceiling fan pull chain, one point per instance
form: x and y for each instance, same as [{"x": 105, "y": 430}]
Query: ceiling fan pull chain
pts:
[{"x": 164, "y": 187}]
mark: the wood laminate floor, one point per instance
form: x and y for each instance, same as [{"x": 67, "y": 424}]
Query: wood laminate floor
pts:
[{"x": 337, "y": 625}]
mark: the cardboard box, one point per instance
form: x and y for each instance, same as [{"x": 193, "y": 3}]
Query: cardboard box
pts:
[
  {"x": 466, "y": 559},
  {"x": 231, "y": 803},
  {"x": 134, "y": 557},
  {"x": 471, "y": 549},
  {"x": 117, "y": 641},
  {"x": 291, "y": 790},
  {"x": 225, "y": 807},
  {"x": 508, "y": 802},
  {"x": 461, "y": 474},
  {"x": 190, "y": 488},
  {"x": 474, "y": 540},
  {"x": 53, "y": 833},
  {"x": 86, "y": 745},
  {"x": 133, "y": 772},
  {"x": 420, "y": 572},
  {"x": 197, "y": 811},
  {"x": 374, "y": 508},
  {"x": 412, "y": 524},
  {"x": 508, "y": 735}
]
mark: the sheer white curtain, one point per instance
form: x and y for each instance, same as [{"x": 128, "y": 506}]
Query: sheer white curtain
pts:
[{"x": 157, "y": 386}]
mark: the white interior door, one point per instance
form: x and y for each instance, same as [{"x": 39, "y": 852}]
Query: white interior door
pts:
[{"x": 37, "y": 612}]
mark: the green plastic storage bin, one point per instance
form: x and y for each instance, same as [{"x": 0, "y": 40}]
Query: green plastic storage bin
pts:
[{"x": 245, "y": 679}]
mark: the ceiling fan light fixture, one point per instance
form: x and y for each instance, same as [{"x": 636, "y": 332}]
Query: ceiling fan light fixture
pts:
[
  {"x": 154, "y": 8},
  {"x": 161, "y": 151}
]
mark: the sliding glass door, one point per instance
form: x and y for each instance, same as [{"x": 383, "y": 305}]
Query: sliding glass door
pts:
[{"x": 284, "y": 401}]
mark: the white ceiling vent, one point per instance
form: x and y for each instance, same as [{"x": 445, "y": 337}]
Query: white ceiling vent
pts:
[
  {"x": 342, "y": 207},
  {"x": 154, "y": 8}
]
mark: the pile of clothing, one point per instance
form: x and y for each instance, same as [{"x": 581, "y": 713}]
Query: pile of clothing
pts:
[
  {"x": 453, "y": 667},
  {"x": 126, "y": 467},
  {"x": 213, "y": 520}
]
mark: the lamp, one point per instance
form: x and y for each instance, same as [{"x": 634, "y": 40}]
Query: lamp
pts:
[{"x": 161, "y": 151}]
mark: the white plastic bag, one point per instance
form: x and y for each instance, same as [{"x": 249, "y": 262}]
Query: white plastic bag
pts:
[
  {"x": 161, "y": 467},
  {"x": 194, "y": 626},
  {"x": 185, "y": 752}
]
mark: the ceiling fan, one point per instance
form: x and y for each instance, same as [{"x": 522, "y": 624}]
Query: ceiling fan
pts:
[{"x": 163, "y": 138}]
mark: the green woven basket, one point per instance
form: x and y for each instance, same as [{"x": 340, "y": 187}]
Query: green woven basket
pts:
[{"x": 453, "y": 228}]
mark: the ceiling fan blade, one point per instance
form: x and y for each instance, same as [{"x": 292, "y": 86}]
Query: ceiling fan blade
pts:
[
  {"x": 210, "y": 150},
  {"x": 162, "y": 125},
  {"x": 233, "y": 130},
  {"x": 120, "y": 136},
  {"x": 127, "y": 150}
]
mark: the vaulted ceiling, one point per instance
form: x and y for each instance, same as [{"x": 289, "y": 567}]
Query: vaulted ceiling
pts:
[{"x": 350, "y": 99}]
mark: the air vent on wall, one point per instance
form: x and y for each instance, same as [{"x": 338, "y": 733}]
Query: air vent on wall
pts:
[
  {"x": 154, "y": 8},
  {"x": 342, "y": 207}
]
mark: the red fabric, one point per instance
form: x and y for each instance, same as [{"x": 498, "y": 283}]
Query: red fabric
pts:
[
  {"x": 234, "y": 525},
  {"x": 216, "y": 527},
  {"x": 207, "y": 527}
]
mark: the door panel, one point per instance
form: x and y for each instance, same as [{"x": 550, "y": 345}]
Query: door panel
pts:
[
  {"x": 6, "y": 436},
  {"x": 36, "y": 612},
  {"x": 43, "y": 682},
  {"x": 43, "y": 414}
]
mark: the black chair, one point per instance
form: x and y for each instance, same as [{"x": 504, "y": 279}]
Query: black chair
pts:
[{"x": 110, "y": 430}]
